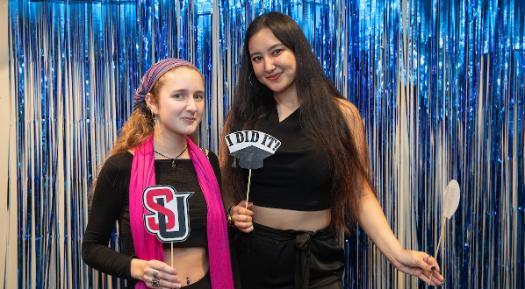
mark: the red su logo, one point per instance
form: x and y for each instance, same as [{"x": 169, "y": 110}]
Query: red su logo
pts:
[{"x": 168, "y": 217}]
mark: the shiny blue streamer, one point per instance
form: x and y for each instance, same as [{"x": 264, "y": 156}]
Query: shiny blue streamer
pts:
[{"x": 77, "y": 64}]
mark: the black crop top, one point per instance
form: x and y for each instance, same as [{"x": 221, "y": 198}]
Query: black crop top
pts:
[
  {"x": 298, "y": 176},
  {"x": 111, "y": 203}
]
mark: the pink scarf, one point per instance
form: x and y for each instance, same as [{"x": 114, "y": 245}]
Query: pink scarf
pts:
[{"x": 146, "y": 245}]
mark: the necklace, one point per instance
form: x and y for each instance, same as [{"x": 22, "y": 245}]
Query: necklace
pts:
[{"x": 173, "y": 164}]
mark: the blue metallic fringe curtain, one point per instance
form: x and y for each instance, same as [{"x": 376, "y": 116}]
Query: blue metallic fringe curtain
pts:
[{"x": 440, "y": 85}]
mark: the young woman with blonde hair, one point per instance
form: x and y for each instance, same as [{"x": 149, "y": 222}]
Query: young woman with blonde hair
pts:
[{"x": 155, "y": 148}]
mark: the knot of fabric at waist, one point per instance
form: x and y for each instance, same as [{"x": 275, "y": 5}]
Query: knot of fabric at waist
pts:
[{"x": 302, "y": 259}]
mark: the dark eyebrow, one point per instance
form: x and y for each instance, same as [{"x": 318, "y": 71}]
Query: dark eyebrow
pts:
[
  {"x": 275, "y": 46},
  {"x": 269, "y": 49}
]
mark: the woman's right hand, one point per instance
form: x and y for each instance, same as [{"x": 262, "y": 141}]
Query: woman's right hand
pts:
[
  {"x": 155, "y": 274},
  {"x": 242, "y": 216}
]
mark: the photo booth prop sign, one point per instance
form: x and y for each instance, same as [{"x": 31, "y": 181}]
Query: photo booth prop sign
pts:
[
  {"x": 450, "y": 200},
  {"x": 251, "y": 147},
  {"x": 169, "y": 220}
]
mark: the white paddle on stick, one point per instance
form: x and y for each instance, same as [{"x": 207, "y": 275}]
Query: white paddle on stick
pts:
[{"x": 450, "y": 198}]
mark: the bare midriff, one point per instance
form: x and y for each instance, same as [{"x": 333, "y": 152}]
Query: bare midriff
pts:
[
  {"x": 284, "y": 219},
  {"x": 189, "y": 263}
]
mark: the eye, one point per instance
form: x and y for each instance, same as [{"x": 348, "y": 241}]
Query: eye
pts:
[
  {"x": 277, "y": 51},
  {"x": 256, "y": 59},
  {"x": 179, "y": 96},
  {"x": 198, "y": 97}
]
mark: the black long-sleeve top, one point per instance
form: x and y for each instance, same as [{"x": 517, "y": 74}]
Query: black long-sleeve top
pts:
[{"x": 111, "y": 204}]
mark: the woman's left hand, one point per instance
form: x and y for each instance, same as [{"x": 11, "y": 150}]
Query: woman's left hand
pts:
[{"x": 419, "y": 264}]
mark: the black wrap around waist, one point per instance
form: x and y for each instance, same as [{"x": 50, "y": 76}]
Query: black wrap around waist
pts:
[{"x": 286, "y": 259}]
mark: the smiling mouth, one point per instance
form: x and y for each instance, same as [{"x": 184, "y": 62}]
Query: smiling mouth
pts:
[
  {"x": 273, "y": 77},
  {"x": 189, "y": 118}
]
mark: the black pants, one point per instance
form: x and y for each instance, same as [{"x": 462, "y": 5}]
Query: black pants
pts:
[{"x": 289, "y": 259}]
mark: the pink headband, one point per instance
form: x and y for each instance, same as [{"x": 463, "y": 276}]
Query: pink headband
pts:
[{"x": 154, "y": 73}]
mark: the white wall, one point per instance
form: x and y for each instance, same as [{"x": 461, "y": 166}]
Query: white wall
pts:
[{"x": 8, "y": 222}]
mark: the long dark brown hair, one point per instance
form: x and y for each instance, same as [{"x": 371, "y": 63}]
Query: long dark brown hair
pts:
[{"x": 321, "y": 118}]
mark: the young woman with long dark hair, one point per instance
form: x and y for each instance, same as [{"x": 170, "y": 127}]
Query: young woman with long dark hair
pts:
[{"x": 316, "y": 186}]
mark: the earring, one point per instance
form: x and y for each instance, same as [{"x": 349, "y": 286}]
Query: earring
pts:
[{"x": 153, "y": 115}]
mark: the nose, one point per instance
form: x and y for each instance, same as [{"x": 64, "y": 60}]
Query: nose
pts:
[
  {"x": 191, "y": 104},
  {"x": 268, "y": 64}
]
